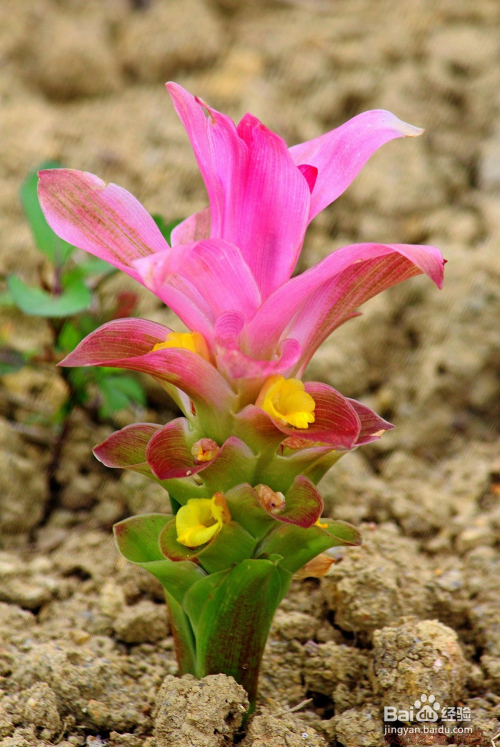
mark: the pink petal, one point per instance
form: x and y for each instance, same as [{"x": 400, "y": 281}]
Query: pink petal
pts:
[
  {"x": 103, "y": 219},
  {"x": 194, "y": 228},
  {"x": 216, "y": 274},
  {"x": 107, "y": 221},
  {"x": 258, "y": 199},
  {"x": 327, "y": 294},
  {"x": 128, "y": 343},
  {"x": 236, "y": 364},
  {"x": 372, "y": 425},
  {"x": 126, "y": 449},
  {"x": 272, "y": 207},
  {"x": 340, "y": 154},
  {"x": 310, "y": 174}
]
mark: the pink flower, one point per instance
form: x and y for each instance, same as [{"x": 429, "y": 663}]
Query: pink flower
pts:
[{"x": 228, "y": 273}]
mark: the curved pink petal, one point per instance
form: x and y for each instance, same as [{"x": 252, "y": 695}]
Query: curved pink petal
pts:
[
  {"x": 107, "y": 221},
  {"x": 259, "y": 201},
  {"x": 303, "y": 504},
  {"x": 103, "y": 219},
  {"x": 128, "y": 343},
  {"x": 238, "y": 365},
  {"x": 168, "y": 452},
  {"x": 272, "y": 207},
  {"x": 194, "y": 228},
  {"x": 339, "y": 155},
  {"x": 311, "y": 305},
  {"x": 372, "y": 425},
  {"x": 215, "y": 270},
  {"x": 126, "y": 449}
]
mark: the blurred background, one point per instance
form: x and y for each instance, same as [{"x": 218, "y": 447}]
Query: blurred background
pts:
[{"x": 81, "y": 82}]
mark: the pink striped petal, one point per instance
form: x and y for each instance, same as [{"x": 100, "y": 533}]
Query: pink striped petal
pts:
[
  {"x": 107, "y": 221},
  {"x": 103, "y": 219},
  {"x": 216, "y": 272},
  {"x": 258, "y": 199},
  {"x": 128, "y": 343},
  {"x": 372, "y": 425},
  {"x": 327, "y": 294},
  {"x": 194, "y": 228},
  {"x": 340, "y": 154},
  {"x": 126, "y": 449},
  {"x": 272, "y": 207},
  {"x": 236, "y": 364}
]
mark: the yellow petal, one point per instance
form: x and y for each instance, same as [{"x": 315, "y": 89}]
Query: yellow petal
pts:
[
  {"x": 193, "y": 341},
  {"x": 286, "y": 401}
]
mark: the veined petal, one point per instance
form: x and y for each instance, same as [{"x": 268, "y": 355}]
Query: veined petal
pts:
[
  {"x": 237, "y": 364},
  {"x": 259, "y": 201},
  {"x": 103, "y": 219},
  {"x": 311, "y": 305},
  {"x": 339, "y": 155},
  {"x": 214, "y": 269},
  {"x": 273, "y": 207},
  {"x": 126, "y": 448},
  {"x": 194, "y": 228},
  {"x": 169, "y": 451},
  {"x": 127, "y": 343},
  {"x": 372, "y": 425}
]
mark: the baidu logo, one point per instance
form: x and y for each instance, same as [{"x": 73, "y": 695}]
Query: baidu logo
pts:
[{"x": 426, "y": 709}]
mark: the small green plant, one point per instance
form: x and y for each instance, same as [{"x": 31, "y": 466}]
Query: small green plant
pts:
[{"x": 67, "y": 297}]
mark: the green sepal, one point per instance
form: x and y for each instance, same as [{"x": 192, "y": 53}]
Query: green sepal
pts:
[
  {"x": 231, "y": 545},
  {"x": 298, "y": 546},
  {"x": 137, "y": 540},
  {"x": 234, "y": 622}
]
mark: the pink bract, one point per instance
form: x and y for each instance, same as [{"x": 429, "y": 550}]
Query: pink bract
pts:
[{"x": 228, "y": 273}]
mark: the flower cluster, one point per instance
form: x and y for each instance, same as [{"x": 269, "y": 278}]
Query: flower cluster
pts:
[{"x": 241, "y": 465}]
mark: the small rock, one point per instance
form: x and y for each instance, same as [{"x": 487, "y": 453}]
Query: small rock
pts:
[
  {"x": 112, "y": 600},
  {"x": 40, "y": 710},
  {"x": 144, "y": 622},
  {"x": 475, "y": 537},
  {"x": 418, "y": 658},
  {"x": 295, "y": 625},
  {"x": 199, "y": 713},
  {"x": 267, "y": 730},
  {"x": 357, "y": 728}
]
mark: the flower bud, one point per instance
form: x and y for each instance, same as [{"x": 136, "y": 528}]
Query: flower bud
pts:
[
  {"x": 205, "y": 450},
  {"x": 272, "y": 502}
]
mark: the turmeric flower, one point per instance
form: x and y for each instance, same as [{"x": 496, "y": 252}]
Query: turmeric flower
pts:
[{"x": 241, "y": 466}]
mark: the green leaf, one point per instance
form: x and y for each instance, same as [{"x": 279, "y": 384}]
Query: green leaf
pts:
[
  {"x": 166, "y": 227},
  {"x": 298, "y": 546},
  {"x": 37, "y": 302},
  {"x": 119, "y": 392},
  {"x": 184, "y": 643},
  {"x": 233, "y": 620},
  {"x": 96, "y": 266},
  {"x": 137, "y": 540},
  {"x": 46, "y": 240},
  {"x": 245, "y": 508}
]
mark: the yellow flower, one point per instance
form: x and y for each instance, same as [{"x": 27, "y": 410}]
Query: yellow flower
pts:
[
  {"x": 205, "y": 450},
  {"x": 201, "y": 519},
  {"x": 193, "y": 341},
  {"x": 287, "y": 401}
]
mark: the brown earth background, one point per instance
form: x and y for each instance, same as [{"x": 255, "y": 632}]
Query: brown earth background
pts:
[{"x": 84, "y": 640}]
